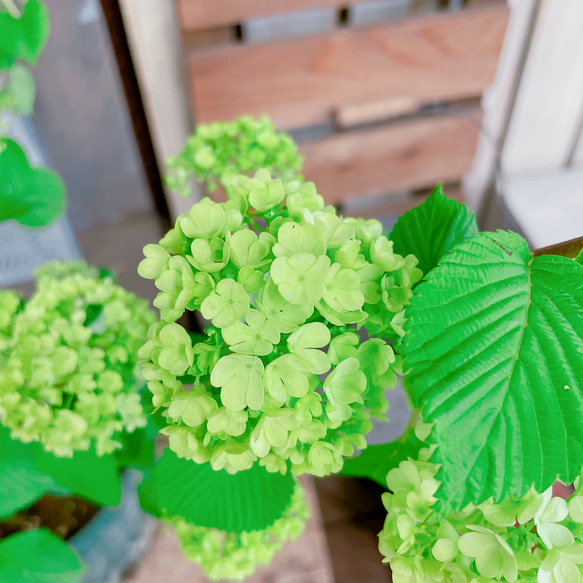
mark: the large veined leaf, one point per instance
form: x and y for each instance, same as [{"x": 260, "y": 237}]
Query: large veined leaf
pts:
[
  {"x": 376, "y": 461},
  {"x": 21, "y": 481},
  {"x": 34, "y": 197},
  {"x": 431, "y": 229},
  {"x": 85, "y": 474},
  {"x": 38, "y": 556},
  {"x": 24, "y": 37},
  {"x": 494, "y": 346},
  {"x": 250, "y": 500}
]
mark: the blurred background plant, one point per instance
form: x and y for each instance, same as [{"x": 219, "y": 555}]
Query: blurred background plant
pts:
[{"x": 35, "y": 197}]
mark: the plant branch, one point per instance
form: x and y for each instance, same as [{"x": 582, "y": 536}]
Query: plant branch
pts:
[{"x": 566, "y": 249}]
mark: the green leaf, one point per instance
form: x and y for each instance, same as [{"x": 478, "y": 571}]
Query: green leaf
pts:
[
  {"x": 34, "y": 197},
  {"x": 432, "y": 229},
  {"x": 85, "y": 474},
  {"x": 18, "y": 92},
  {"x": 248, "y": 500},
  {"x": 376, "y": 461},
  {"x": 38, "y": 556},
  {"x": 25, "y": 37},
  {"x": 21, "y": 481},
  {"x": 138, "y": 449},
  {"x": 493, "y": 344}
]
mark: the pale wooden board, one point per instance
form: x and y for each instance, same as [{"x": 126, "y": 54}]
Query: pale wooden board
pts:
[
  {"x": 544, "y": 125},
  {"x": 301, "y": 82},
  {"x": 548, "y": 207},
  {"x": 498, "y": 100},
  {"x": 155, "y": 44},
  {"x": 305, "y": 560},
  {"x": 404, "y": 155},
  {"x": 578, "y": 153},
  {"x": 352, "y": 115},
  {"x": 198, "y": 14}
]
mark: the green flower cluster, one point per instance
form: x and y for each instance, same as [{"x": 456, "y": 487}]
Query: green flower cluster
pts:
[
  {"x": 283, "y": 279},
  {"x": 10, "y": 303},
  {"x": 536, "y": 539},
  {"x": 217, "y": 152},
  {"x": 229, "y": 555},
  {"x": 68, "y": 371}
]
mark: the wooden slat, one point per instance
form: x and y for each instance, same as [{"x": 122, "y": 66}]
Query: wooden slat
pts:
[
  {"x": 401, "y": 156},
  {"x": 543, "y": 129},
  {"x": 578, "y": 154},
  {"x": 301, "y": 82},
  {"x": 498, "y": 100},
  {"x": 199, "y": 14},
  {"x": 378, "y": 207},
  {"x": 547, "y": 207},
  {"x": 352, "y": 115}
]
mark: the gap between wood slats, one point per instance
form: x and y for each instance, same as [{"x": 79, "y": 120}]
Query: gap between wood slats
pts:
[
  {"x": 200, "y": 14},
  {"x": 400, "y": 156},
  {"x": 301, "y": 82},
  {"x": 396, "y": 204}
]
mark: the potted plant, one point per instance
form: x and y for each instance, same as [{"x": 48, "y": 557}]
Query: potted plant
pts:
[
  {"x": 71, "y": 419},
  {"x": 311, "y": 318}
]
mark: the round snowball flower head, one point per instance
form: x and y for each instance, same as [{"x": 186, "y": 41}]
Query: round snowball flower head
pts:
[
  {"x": 301, "y": 302},
  {"x": 229, "y": 555},
  {"x": 536, "y": 537},
  {"x": 68, "y": 370}
]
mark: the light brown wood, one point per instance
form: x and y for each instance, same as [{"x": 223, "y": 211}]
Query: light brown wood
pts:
[
  {"x": 301, "y": 82},
  {"x": 352, "y": 115},
  {"x": 154, "y": 39},
  {"x": 204, "y": 39},
  {"x": 199, "y": 14},
  {"x": 397, "y": 204},
  {"x": 404, "y": 155}
]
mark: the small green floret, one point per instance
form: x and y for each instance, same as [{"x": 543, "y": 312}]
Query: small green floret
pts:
[
  {"x": 228, "y": 555},
  {"x": 534, "y": 538}
]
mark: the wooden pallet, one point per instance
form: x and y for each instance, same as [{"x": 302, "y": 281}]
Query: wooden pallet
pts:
[{"x": 351, "y": 78}]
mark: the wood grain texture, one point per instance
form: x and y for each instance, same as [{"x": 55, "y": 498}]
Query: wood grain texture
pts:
[
  {"x": 199, "y": 14},
  {"x": 405, "y": 155},
  {"x": 301, "y": 82}
]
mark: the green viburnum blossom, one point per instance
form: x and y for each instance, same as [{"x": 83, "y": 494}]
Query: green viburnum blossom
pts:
[
  {"x": 229, "y": 555},
  {"x": 256, "y": 336},
  {"x": 10, "y": 302},
  {"x": 281, "y": 376},
  {"x": 217, "y": 152},
  {"x": 536, "y": 538},
  {"x": 68, "y": 370},
  {"x": 226, "y": 304}
]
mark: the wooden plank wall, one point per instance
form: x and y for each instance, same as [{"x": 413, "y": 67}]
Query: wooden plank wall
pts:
[
  {"x": 549, "y": 105},
  {"x": 541, "y": 179},
  {"x": 395, "y": 94}
]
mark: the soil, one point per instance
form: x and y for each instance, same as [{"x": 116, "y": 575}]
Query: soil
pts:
[{"x": 62, "y": 515}]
